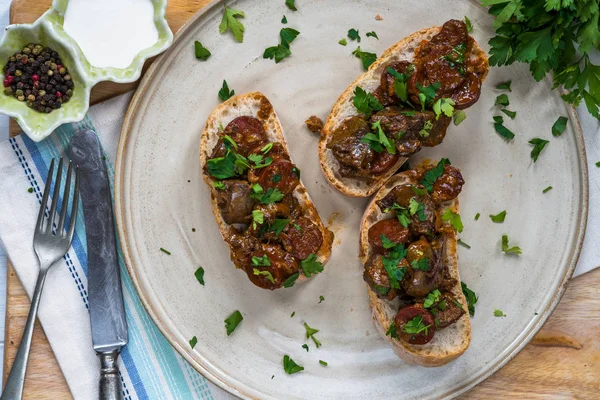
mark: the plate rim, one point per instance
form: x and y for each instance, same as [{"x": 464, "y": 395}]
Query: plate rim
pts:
[{"x": 230, "y": 387}]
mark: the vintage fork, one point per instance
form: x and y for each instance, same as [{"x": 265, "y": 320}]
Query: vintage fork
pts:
[{"x": 50, "y": 246}]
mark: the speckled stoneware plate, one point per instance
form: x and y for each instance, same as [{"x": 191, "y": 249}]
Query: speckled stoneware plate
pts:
[{"x": 161, "y": 197}]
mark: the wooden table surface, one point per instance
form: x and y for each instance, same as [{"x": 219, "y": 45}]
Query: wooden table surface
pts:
[{"x": 562, "y": 361}]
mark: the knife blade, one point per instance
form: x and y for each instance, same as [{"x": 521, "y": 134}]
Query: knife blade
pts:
[{"x": 105, "y": 297}]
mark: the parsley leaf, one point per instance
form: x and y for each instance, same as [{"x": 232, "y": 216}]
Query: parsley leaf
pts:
[
  {"x": 468, "y": 24},
  {"x": 278, "y": 225},
  {"x": 511, "y": 114},
  {"x": 305, "y": 347},
  {"x": 225, "y": 93},
  {"x": 266, "y": 274},
  {"x": 432, "y": 298},
  {"x": 282, "y": 50},
  {"x": 230, "y": 22},
  {"x": 471, "y": 298},
  {"x": 433, "y": 174},
  {"x": 343, "y": 42},
  {"x": 454, "y": 219},
  {"x": 443, "y": 106},
  {"x": 559, "y": 126},
  {"x": 311, "y": 266},
  {"x": 421, "y": 264},
  {"x": 372, "y": 34},
  {"x": 416, "y": 326},
  {"x": 272, "y": 195},
  {"x": 258, "y": 217},
  {"x": 504, "y": 86},
  {"x": 291, "y": 4},
  {"x": 290, "y": 366},
  {"x": 391, "y": 332},
  {"x": 291, "y": 280},
  {"x": 427, "y": 94},
  {"x": 416, "y": 207},
  {"x": 202, "y": 53},
  {"x": 284, "y": 20},
  {"x": 379, "y": 140},
  {"x": 502, "y": 100},
  {"x": 219, "y": 185},
  {"x": 233, "y": 321},
  {"x": 288, "y": 35},
  {"x": 199, "y": 274},
  {"x": 310, "y": 333},
  {"x": 400, "y": 86},
  {"x": 391, "y": 264},
  {"x": 263, "y": 261},
  {"x": 459, "y": 116},
  {"x": 501, "y": 129},
  {"x": 365, "y": 102},
  {"x": 402, "y": 214},
  {"x": 193, "y": 342},
  {"x": 321, "y": 299},
  {"x": 386, "y": 242},
  {"x": 498, "y": 218},
  {"x": 366, "y": 58},
  {"x": 499, "y": 313},
  {"x": 509, "y": 250},
  {"x": 354, "y": 35},
  {"x": 538, "y": 146}
]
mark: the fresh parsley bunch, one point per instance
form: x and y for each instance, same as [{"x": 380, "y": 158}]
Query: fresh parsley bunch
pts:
[{"x": 551, "y": 36}]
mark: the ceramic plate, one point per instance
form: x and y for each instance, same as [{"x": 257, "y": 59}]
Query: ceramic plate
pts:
[{"x": 161, "y": 199}]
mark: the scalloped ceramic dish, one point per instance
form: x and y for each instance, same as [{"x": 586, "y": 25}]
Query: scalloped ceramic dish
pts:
[{"x": 48, "y": 31}]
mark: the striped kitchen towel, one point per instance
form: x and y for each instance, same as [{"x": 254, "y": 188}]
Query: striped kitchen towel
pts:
[{"x": 150, "y": 367}]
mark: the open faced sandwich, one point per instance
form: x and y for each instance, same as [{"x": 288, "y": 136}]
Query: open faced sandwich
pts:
[
  {"x": 404, "y": 102},
  {"x": 262, "y": 209},
  {"x": 408, "y": 248}
]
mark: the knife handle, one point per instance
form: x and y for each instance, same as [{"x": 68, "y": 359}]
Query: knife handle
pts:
[{"x": 110, "y": 383}]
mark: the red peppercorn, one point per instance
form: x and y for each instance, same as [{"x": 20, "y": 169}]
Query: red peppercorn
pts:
[
  {"x": 58, "y": 66},
  {"x": 58, "y": 94},
  {"x": 35, "y": 77},
  {"x": 8, "y": 80}
]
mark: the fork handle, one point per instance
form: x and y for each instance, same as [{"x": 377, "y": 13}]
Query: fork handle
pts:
[
  {"x": 110, "y": 385},
  {"x": 14, "y": 384}
]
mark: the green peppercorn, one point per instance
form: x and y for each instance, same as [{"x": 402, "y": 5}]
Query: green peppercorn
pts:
[
  {"x": 53, "y": 66},
  {"x": 69, "y": 92},
  {"x": 8, "y": 91},
  {"x": 62, "y": 70},
  {"x": 27, "y": 50},
  {"x": 31, "y": 97},
  {"x": 18, "y": 72},
  {"x": 37, "y": 49},
  {"x": 31, "y": 45},
  {"x": 21, "y": 98},
  {"x": 12, "y": 59},
  {"x": 42, "y": 93},
  {"x": 19, "y": 92},
  {"x": 50, "y": 72}
]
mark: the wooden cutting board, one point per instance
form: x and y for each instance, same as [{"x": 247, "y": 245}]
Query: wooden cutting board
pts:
[{"x": 562, "y": 361}]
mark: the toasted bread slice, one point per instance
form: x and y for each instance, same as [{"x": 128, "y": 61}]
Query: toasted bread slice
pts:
[
  {"x": 448, "y": 343},
  {"x": 257, "y": 105},
  {"x": 369, "y": 81}
]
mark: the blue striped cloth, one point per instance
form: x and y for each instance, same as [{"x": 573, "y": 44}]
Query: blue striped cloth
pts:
[{"x": 150, "y": 367}]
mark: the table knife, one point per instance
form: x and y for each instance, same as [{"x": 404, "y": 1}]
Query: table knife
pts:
[{"x": 105, "y": 298}]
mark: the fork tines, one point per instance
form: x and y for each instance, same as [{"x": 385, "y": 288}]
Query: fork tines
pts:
[{"x": 46, "y": 228}]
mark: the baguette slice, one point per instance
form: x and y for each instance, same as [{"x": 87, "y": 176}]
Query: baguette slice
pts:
[
  {"x": 448, "y": 343},
  {"x": 257, "y": 105},
  {"x": 369, "y": 81}
]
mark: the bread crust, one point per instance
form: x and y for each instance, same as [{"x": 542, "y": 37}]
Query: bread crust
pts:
[
  {"x": 257, "y": 105},
  {"x": 448, "y": 343},
  {"x": 369, "y": 81}
]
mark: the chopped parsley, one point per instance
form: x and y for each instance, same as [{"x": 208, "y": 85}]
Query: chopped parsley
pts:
[
  {"x": 259, "y": 160},
  {"x": 284, "y": 20},
  {"x": 443, "y": 106},
  {"x": 202, "y": 53},
  {"x": 30, "y": 190},
  {"x": 311, "y": 266},
  {"x": 290, "y": 366},
  {"x": 372, "y": 34},
  {"x": 498, "y": 218},
  {"x": 477, "y": 216},
  {"x": 386, "y": 242},
  {"x": 258, "y": 217},
  {"x": 167, "y": 252},
  {"x": 417, "y": 208},
  {"x": 230, "y": 22},
  {"x": 266, "y": 274},
  {"x": 324, "y": 363},
  {"x": 290, "y": 281},
  {"x": 365, "y": 102},
  {"x": 433, "y": 174},
  {"x": 416, "y": 326},
  {"x": 391, "y": 332},
  {"x": 421, "y": 264},
  {"x": 459, "y": 116},
  {"x": 225, "y": 93},
  {"x": 402, "y": 214},
  {"x": 454, "y": 219},
  {"x": 354, "y": 35},
  {"x": 233, "y": 321},
  {"x": 343, "y": 42},
  {"x": 297, "y": 227},
  {"x": 501, "y": 129},
  {"x": 219, "y": 185},
  {"x": 263, "y": 261},
  {"x": 282, "y": 50},
  {"x": 310, "y": 333},
  {"x": 321, "y": 299},
  {"x": 267, "y": 147},
  {"x": 291, "y": 4},
  {"x": 366, "y": 58},
  {"x": 559, "y": 126},
  {"x": 391, "y": 264},
  {"x": 293, "y": 313},
  {"x": 504, "y": 86},
  {"x": 400, "y": 87},
  {"x": 538, "y": 146},
  {"x": 378, "y": 141},
  {"x": 511, "y": 114},
  {"x": 468, "y": 24},
  {"x": 426, "y": 129},
  {"x": 499, "y": 313},
  {"x": 509, "y": 250},
  {"x": 427, "y": 94},
  {"x": 272, "y": 195},
  {"x": 305, "y": 347},
  {"x": 278, "y": 225},
  {"x": 502, "y": 100},
  {"x": 193, "y": 342},
  {"x": 471, "y": 298},
  {"x": 547, "y": 189},
  {"x": 432, "y": 298},
  {"x": 598, "y": 164},
  {"x": 199, "y": 274},
  {"x": 459, "y": 241}
]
